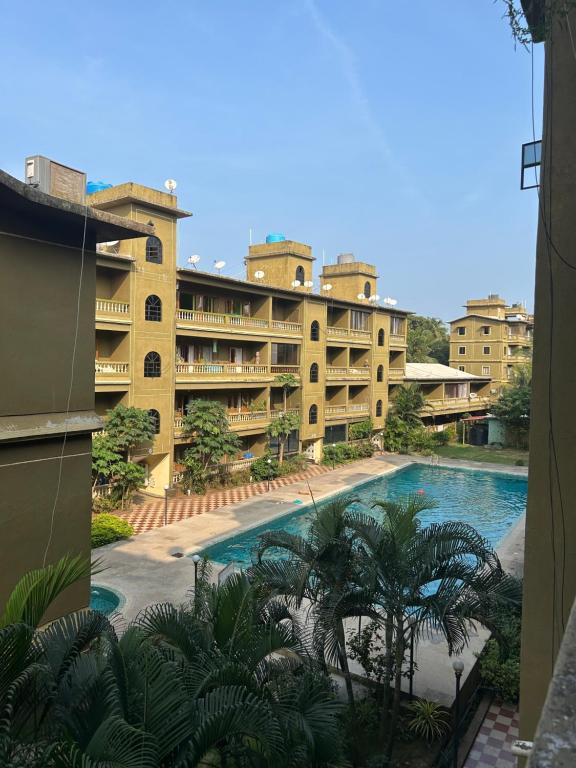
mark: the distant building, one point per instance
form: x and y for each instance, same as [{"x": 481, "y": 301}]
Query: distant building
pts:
[
  {"x": 491, "y": 339},
  {"x": 449, "y": 393},
  {"x": 47, "y": 384}
]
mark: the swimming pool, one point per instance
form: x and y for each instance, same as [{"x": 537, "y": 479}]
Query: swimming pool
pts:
[
  {"x": 104, "y": 600},
  {"x": 490, "y": 501}
]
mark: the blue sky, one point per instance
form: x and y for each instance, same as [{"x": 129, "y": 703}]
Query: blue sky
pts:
[{"x": 390, "y": 129}]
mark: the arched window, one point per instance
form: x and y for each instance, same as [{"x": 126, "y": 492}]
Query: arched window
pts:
[
  {"x": 313, "y": 415},
  {"x": 153, "y": 308},
  {"x": 379, "y": 408},
  {"x": 315, "y": 331},
  {"x": 154, "y": 250},
  {"x": 155, "y": 416},
  {"x": 152, "y": 365},
  {"x": 381, "y": 337},
  {"x": 380, "y": 373},
  {"x": 300, "y": 274},
  {"x": 367, "y": 289},
  {"x": 314, "y": 373}
]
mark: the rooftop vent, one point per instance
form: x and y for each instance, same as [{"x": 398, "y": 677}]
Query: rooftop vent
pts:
[
  {"x": 275, "y": 237},
  {"x": 55, "y": 179},
  {"x": 345, "y": 258}
]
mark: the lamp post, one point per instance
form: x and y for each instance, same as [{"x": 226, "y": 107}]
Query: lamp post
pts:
[
  {"x": 458, "y": 667},
  {"x": 196, "y": 559},
  {"x": 269, "y": 471},
  {"x": 412, "y": 626},
  {"x": 166, "y": 489},
  {"x": 333, "y": 456}
]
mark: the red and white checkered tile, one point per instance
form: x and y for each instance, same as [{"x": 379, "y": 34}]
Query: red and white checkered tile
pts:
[
  {"x": 492, "y": 746},
  {"x": 150, "y": 514}
]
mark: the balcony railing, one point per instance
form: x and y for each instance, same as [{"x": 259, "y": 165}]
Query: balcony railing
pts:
[
  {"x": 346, "y": 409},
  {"x": 358, "y": 407},
  {"x": 244, "y": 417},
  {"x": 107, "y": 368},
  {"x": 337, "y": 372},
  {"x": 331, "y": 410},
  {"x": 199, "y": 317},
  {"x": 295, "y": 369},
  {"x": 333, "y": 330},
  {"x": 219, "y": 369},
  {"x": 110, "y": 307},
  {"x": 397, "y": 340},
  {"x": 451, "y": 403},
  {"x": 395, "y": 373},
  {"x": 230, "y": 466},
  {"x": 282, "y": 325}
]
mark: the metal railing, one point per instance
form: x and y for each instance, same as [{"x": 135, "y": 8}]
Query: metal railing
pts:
[
  {"x": 111, "y": 368},
  {"x": 111, "y": 307}
]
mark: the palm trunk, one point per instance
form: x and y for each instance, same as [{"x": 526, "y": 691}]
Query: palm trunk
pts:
[
  {"x": 344, "y": 662},
  {"x": 389, "y": 641},
  {"x": 281, "y": 451},
  {"x": 399, "y": 660}
]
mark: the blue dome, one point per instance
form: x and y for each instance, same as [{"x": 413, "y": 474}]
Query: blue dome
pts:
[
  {"x": 96, "y": 186},
  {"x": 275, "y": 237}
]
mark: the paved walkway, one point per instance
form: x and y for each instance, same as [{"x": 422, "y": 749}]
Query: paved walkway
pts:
[
  {"x": 149, "y": 514},
  {"x": 492, "y": 746}
]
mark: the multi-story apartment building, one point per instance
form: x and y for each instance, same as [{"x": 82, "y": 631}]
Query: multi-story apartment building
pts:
[
  {"x": 166, "y": 335},
  {"x": 491, "y": 339}
]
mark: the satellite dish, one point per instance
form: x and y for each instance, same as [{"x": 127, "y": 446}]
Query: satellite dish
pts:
[
  {"x": 361, "y": 297},
  {"x": 219, "y": 265},
  {"x": 391, "y": 302},
  {"x": 111, "y": 243},
  {"x": 259, "y": 274},
  {"x": 296, "y": 283},
  {"x": 170, "y": 185},
  {"x": 308, "y": 284},
  {"x": 327, "y": 287},
  {"x": 193, "y": 260}
]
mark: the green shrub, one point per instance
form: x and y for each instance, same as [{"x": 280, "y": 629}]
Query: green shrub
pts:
[
  {"x": 262, "y": 470},
  {"x": 294, "y": 464},
  {"x": 340, "y": 453},
  {"x": 103, "y": 504},
  {"x": 360, "y": 430},
  {"x": 519, "y": 462},
  {"x": 501, "y": 675},
  {"x": 429, "y": 720},
  {"x": 195, "y": 476},
  {"x": 442, "y": 438},
  {"x": 108, "y": 528}
]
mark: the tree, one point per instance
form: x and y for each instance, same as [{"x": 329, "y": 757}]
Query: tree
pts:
[
  {"x": 513, "y": 405},
  {"x": 428, "y": 340},
  {"x": 108, "y": 463},
  {"x": 127, "y": 478},
  {"x": 282, "y": 427},
  {"x": 206, "y": 422},
  {"x": 105, "y": 457},
  {"x": 440, "y": 577},
  {"x": 407, "y": 404},
  {"x": 322, "y": 569},
  {"x": 288, "y": 382},
  {"x": 127, "y": 427}
]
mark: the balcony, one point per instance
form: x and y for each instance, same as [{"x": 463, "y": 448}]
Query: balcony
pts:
[
  {"x": 198, "y": 319},
  {"x": 396, "y": 374},
  {"x": 347, "y": 333},
  {"x": 216, "y": 370},
  {"x": 342, "y": 372},
  {"x": 397, "y": 340},
  {"x": 239, "y": 420},
  {"x": 293, "y": 369},
  {"x": 340, "y": 411},
  {"x": 113, "y": 308},
  {"x": 111, "y": 369},
  {"x": 455, "y": 404}
]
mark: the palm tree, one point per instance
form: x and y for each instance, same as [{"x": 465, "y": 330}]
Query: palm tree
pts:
[
  {"x": 322, "y": 572},
  {"x": 287, "y": 381},
  {"x": 408, "y": 403},
  {"x": 441, "y": 577}
]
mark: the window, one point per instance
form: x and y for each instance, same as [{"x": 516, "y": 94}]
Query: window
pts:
[
  {"x": 285, "y": 354},
  {"x": 367, "y": 289},
  {"x": 153, "y": 309},
  {"x": 313, "y": 415},
  {"x": 315, "y": 331},
  {"x": 486, "y": 330},
  {"x": 461, "y": 367},
  {"x": 485, "y": 370},
  {"x": 461, "y": 350},
  {"x": 486, "y": 350},
  {"x": 461, "y": 330},
  {"x": 380, "y": 373},
  {"x": 154, "y": 250},
  {"x": 300, "y": 274},
  {"x": 381, "y": 337},
  {"x": 379, "y": 408},
  {"x": 314, "y": 373},
  {"x": 152, "y": 365},
  {"x": 452, "y": 391},
  {"x": 358, "y": 320},
  {"x": 397, "y": 326},
  {"x": 155, "y": 416}
]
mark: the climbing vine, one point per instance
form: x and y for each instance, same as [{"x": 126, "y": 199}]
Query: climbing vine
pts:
[{"x": 522, "y": 32}]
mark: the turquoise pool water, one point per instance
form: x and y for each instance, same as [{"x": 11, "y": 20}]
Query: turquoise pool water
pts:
[
  {"x": 490, "y": 501},
  {"x": 104, "y": 600}
]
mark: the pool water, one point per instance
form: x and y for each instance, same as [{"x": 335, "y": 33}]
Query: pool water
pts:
[
  {"x": 489, "y": 501},
  {"x": 104, "y": 600}
]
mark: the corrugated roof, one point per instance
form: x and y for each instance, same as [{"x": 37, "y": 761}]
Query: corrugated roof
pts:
[{"x": 438, "y": 372}]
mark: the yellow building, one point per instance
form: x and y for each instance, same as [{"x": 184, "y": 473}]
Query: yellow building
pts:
[
  {"x": 167, "y": 335},
  {"x": 491, "y": 339}
]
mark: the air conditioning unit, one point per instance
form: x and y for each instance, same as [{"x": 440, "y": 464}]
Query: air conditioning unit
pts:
[{"x": 55, "y": 179}]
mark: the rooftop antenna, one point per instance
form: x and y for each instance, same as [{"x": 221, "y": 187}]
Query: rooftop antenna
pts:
[
  {"x": 219, "y": 266},
  {"x": 250, "y": 236},
  {"x": 193, "y": 260},
  {"x": 323, "y": 256},
  {"x": 170, "y": 185}
]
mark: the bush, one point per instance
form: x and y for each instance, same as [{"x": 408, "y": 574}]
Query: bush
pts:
[
  {"x": 442, "y": 438},
  {"x": 293, "y": 464},
  {"x": 340, "y": 453},
  {"x": 429, "y": 720},
  {"x": 195, "y": 477},
  {"x": 400, "y": 437},
  {"x": 103, "y": 504},
  {"x": 108, "y": 528},
  {"x": 519, "y": 462},
  {"x": 262, "y": 470},
  {"x": 501, "y": 675},
  {"x": 360, "y": 430}
]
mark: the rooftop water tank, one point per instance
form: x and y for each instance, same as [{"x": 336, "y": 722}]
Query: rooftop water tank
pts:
[
  {"x": 96, "y": 186},
  {"x": 345, "y": 258},
  {"x": 275, "y": 237}
]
